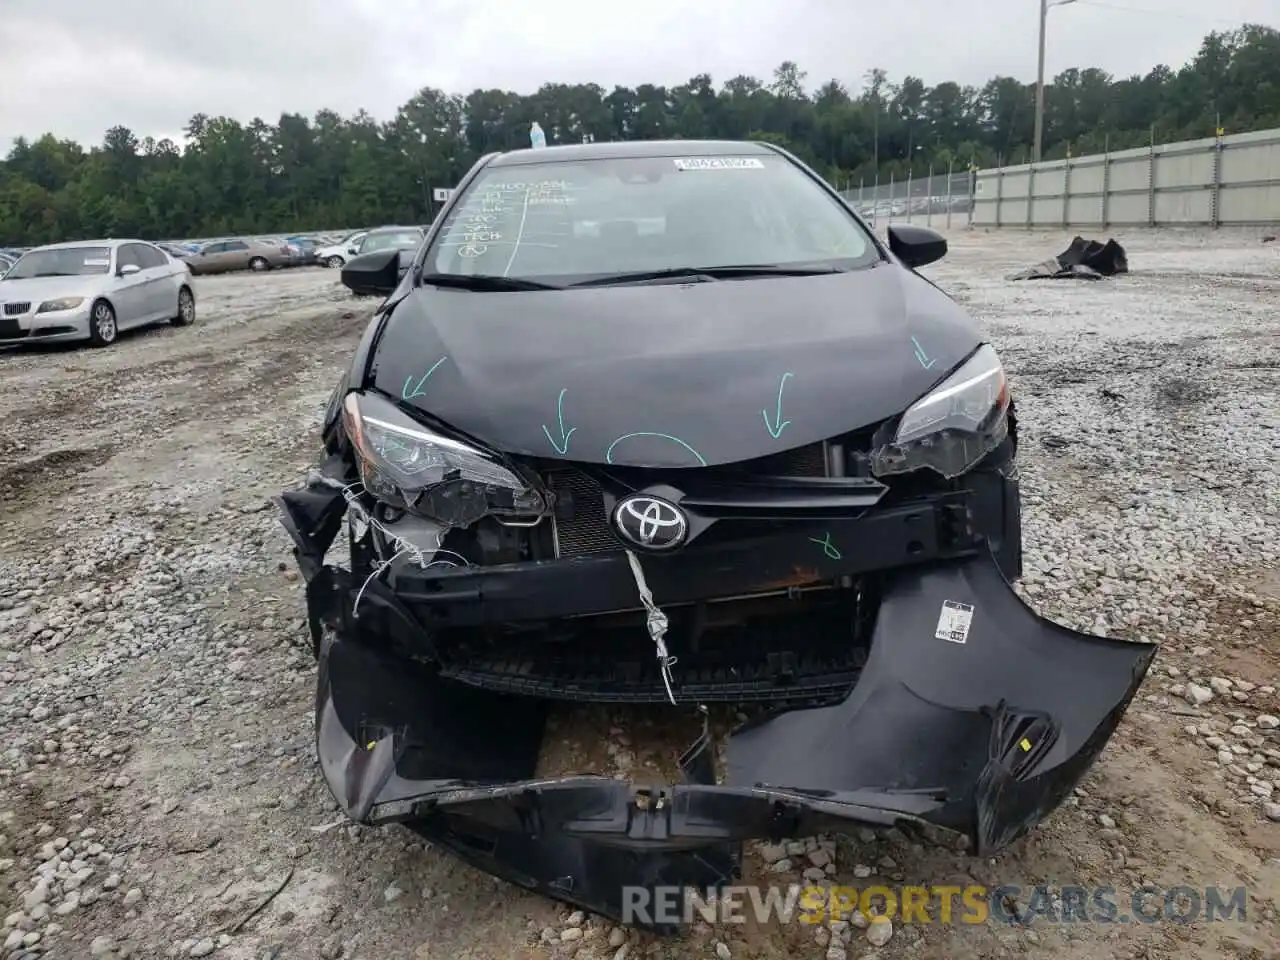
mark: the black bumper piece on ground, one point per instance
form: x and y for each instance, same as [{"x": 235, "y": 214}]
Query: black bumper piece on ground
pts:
[{"x": 983, "y": 733}]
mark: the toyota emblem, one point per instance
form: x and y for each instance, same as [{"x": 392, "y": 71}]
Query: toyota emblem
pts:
[{"x": 651, "y": 523}]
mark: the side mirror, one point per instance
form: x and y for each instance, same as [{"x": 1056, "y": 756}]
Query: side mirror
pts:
[
  {"x": 916, "y": 246},
  {"x": 353, "y": 250},
  {"x": 374, "y": 274},
  {"x": 128, "y": 270}
]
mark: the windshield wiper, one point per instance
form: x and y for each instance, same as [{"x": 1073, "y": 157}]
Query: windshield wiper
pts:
[
  {"x": 703, "y": 274},
  {"x": 482, "y": 281},
  {"x": 55, "y": 273}
]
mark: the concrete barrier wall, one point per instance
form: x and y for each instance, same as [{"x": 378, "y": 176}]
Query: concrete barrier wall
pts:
[{"x": 1233, "y": 180}]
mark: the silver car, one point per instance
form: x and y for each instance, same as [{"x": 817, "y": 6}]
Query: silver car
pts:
[
  {"x": 91, "y": 290},
  {"x": 247, "y": 253}
]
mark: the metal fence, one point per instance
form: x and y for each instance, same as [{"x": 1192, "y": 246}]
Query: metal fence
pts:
[
  {"x": 1220, "y": 181},
  {"x": 934, "y": 199}
]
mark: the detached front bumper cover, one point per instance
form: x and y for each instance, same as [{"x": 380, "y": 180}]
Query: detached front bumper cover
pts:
[{"x": 972, "y": 713}]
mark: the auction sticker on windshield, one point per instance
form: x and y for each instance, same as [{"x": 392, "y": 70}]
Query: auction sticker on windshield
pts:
[
  {"x": 97, "y": 263},
  {"x": 718, "y": 163}
]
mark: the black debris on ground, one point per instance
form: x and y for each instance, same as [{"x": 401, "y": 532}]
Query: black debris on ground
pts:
[{"x": 1082, "y": 260}]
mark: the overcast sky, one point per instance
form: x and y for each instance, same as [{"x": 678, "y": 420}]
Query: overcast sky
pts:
[{"x": 76, "y": 67}]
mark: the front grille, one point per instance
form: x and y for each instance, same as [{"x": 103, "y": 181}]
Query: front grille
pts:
[
  {"x": 16, "y": 309},
  {"x": 583, "y": 528}
]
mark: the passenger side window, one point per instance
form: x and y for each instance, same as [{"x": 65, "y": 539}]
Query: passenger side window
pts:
[
  {"x": 213, "y": 248},
  {"x": 236, "y": 245}
]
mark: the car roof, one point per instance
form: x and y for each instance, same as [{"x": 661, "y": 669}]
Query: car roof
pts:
[
  {"x": 395, "y": 229},
  {"x": 640, "y": 149},
  {"x": 72, "y": 244}
]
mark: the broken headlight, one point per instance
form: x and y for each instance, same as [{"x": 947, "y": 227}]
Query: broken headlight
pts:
[
  {"x": 407, "y": 466},
  {"x": 955, "y": 425}
]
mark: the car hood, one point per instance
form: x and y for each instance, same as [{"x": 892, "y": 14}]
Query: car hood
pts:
[
  {"x": 47, "y": 288},
  {"x": 672, "y": 375}
]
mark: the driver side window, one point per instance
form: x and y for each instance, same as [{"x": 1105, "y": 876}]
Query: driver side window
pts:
[
  {"x": 127, "y": 256},
  {"x": 151, "y": 257}
]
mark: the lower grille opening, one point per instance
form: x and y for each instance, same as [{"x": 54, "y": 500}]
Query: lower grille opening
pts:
[{"x": 807, "y": 651}]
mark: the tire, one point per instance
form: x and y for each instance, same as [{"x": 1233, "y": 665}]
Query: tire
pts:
[
  {"x": 258, "y": 264},
  {"x": 336, "y": 262},
  {"x": 103, "y": 329},
  {"x": 186, "y": 314}
]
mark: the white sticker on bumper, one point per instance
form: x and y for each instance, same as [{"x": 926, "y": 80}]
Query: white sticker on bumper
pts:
[{"x": 954, "y": 622}]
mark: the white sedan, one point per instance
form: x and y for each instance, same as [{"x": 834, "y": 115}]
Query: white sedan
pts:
[
  {"x": 337, "y": 255},
  {"x": 91, "y": 290}
]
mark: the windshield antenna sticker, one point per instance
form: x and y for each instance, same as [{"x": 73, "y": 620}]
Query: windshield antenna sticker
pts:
[
  {"x": 608, "y": 454},
  {"x": 561, "y": 446},
  {"x": 778, "y": 425},
  {"x": 829, "y": 548},
  {"x": 413, "y": 390},
  {"x": 922, "y": 356}
]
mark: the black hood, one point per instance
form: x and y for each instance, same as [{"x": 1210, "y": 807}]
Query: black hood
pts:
[{"x": 673, "y": 375}]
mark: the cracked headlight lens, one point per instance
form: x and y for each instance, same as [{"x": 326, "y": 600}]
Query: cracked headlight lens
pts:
[
  {"x": 406, "y": 465},
  {"x": 955, "y": 425}
]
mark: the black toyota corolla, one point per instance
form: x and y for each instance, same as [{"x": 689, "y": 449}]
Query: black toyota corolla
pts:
[{"x": 665, "y": 422}]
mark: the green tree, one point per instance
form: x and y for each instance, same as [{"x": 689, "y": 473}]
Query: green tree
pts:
[{"x": 330, "y": 171}]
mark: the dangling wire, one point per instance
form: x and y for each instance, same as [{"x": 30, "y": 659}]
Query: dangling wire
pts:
[
  {"x": 657, "y": 623},
  {"x": 424, "y": 558}
]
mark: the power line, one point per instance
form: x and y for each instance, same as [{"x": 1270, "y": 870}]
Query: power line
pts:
[{"x": 1158, "y": 13}]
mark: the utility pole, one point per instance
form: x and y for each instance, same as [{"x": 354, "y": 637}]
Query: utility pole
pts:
[
  {"x": 875, "y": 136},
  {"x": 1044, "y": 19}
]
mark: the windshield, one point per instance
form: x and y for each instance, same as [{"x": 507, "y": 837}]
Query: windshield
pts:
[
  {"x": 62, "y": 262},
  {"x": 398, "y": 240},
  {"x": 573, "y": 220}
]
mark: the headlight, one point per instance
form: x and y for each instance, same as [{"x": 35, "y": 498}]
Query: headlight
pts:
[
  {"x": 62, "y": 303},
  {"x": 954, "y": 426},
  {"x": 405, "y": 465}
]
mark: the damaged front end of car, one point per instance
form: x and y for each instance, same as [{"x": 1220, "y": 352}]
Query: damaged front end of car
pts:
[{"x": 963, "y": 709}]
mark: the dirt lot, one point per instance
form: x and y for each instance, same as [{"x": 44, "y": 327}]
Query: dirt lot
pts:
[{"x": 156, "y": 771}]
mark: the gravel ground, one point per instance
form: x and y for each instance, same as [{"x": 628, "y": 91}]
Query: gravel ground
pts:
[{"x": 156, "y": 774}]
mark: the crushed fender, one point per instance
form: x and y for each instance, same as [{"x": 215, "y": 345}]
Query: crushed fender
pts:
[
  {"x": 1082, "y": 260},
  {"x": 972, "y": 713}
]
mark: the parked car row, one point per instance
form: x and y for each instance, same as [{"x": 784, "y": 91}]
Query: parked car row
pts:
[
  {"x": 227, "y": 254},
  {"x": 358, "y": 242},
  {"x": 913, "y": 206}
]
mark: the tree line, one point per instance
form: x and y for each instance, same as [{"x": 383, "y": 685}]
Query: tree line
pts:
[{"x": 329, "y": 171}]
